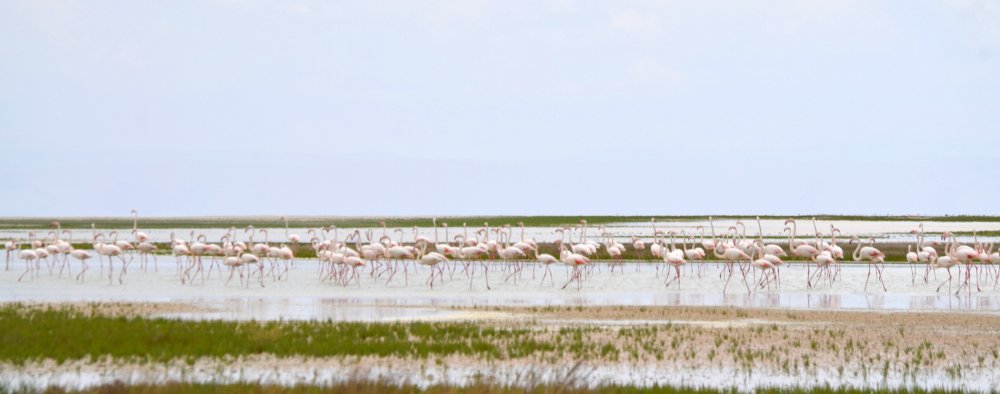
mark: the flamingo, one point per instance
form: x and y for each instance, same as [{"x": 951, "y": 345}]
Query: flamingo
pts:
[
  {"x": 468, "y": 253},
  {"x": 65, "y": 248},
  {"x": 707, "y": 244},
  {"x": 995, "y": 261},
  {"x": 795, "y": 230},
  {"x": 60, "y": 246},
  {"x": 820, "y": 244},
  {"x": 121, "y": 244},
  {"x": 29, "y": 257},
  {"x": 526, "y": 245},
  {"x": 196, "y": 249},
  {"x": 925, "y": 254},
  {"x": 293, "y": 238},
  {"x": 710, "y": 244},
  {"x": 802, "y": 250},
  {"x": 593, "y": 245},
  {"x": 139, "y": 236},
  {"x": 639, "y": 246},
  {"x": 510, "y": 253},
  {"x": 695, "y": 253},
  {"x": 465, "y": 237},
  {"x": 178, "y": 248},
  {"x": 110, "y": 251},
  {"x": 913, "y": 259},
  {"x": 799, "y": 248},
  {"x": 947, "y": 261},
  {"x": 260, "y": 249},
  {"x": 419, "y": 239},
  {"x": 352, "y": 259},
  {"x": 82, "y": 256},
  {"x": 730, "y": 256},
  {"x": 824, "y": 260},
  {"x": 966, "y": 255},
  {"x": 43, "y": 254},
  {"x": 655, "y": 249},
  {"x": 443, "y": 248},
  {"x": 742, "y": 243},
  {"x": 675, "y": 258},
  {"x": 354, "y": 262},
  {"x": 234, "y": 264},
  {"x": 431, "y": 260},
  {"x": 771, "y": 249},
  {"x": 873, "y": 256},
  {"x": 397, "y": 253},
  {"x": 766, "y": 266},
  {"x": 286, "y": 255},
  {"x": 10, "y": 247},
  {"x": 530, "y": 242},
  {"x": 248, "y": 260},
  {"x": 574, "y": 260},
  {"x": 836, "y": 250},
  {"x": 547, "y": 260},
  {"x": 147, "y": 249},
  {"x": 614, "y": 252}
]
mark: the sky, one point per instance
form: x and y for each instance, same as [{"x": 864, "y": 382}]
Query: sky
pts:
[{"x": 557, "y": 107}]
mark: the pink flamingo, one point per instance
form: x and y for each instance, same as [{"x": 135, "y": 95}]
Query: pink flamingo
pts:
[
  {"x": 873, "y": 256},
  {"x": 139, "y": 235},
  {"x": 655, "y": 249},
  {"x": 576, "y": 261},
  {"x": 547, "y": 260}
]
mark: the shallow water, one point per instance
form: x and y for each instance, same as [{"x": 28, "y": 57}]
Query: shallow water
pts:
[
  {"x": 324, "y": 372},
  {"x": 303, "y": 296},
  {"x": 896, "y": 231}
]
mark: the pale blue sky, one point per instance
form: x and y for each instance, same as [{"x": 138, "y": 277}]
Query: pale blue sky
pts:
[{"x": 499, "y": 107}]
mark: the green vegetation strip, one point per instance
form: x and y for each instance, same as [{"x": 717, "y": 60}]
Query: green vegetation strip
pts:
[
  {"x": 404, "y": 222},
  {"x": 35, "y": 333}
]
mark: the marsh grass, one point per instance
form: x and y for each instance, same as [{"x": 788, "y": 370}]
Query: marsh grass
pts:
[
  {"x": 83, "y": 335},
  {"x": 31, "y": 333}
]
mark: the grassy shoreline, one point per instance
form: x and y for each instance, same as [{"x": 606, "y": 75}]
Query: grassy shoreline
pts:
[
  {"x": 91, "y": 332},
  {"x": 125, "y": 222},
  {"x": 792, "y": 343}
]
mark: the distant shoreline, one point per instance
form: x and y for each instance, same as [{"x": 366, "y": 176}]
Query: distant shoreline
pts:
[{"x": 119, "y": 222}]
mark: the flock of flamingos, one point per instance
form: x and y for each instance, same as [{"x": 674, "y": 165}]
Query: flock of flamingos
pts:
[{"x": 752, "y": 260}]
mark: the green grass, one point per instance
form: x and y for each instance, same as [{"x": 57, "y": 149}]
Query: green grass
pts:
[
  {"x": 80, "y": 336},
  {"x": 405, "y": 222},
  {"x": 83, "y": 336},
  {"x": 970, "y": 233},
  {"x": 36, "y": 333}
]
